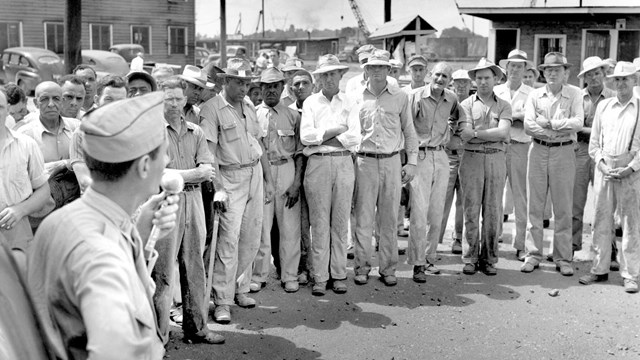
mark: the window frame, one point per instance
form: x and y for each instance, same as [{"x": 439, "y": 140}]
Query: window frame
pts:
[
  {"x": 148, "y": 50},
  {"x": 536, "y": 44},
  {"x": 46, "y": 45},
  {"x": 491, "y": 42},
  {"x": 20, "y": 32},
  {"x": 186, "y": 40},
  {"x": 91, "y": 35}
]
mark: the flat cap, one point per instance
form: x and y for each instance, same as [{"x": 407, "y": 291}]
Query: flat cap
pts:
[
  {"x": 417, "y": 60},
  {"x": 125, "y": 130}
]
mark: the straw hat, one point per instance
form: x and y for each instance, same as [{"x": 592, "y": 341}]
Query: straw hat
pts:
[
  {"x": 554, "y": 59},
  {"x": 486, "y": 64},
  {"x": 329, "y": 62},
  {"x": 515, "y": 55},
  {"x": 237, "y": 68},
  {"x": 623, "y": 69},
  {"x": 194, "y": 75},
  {"x": 592, "y": 63}
]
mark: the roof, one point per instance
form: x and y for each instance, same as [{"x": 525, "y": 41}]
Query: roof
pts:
[
  {"x": 491, "y": 8},
  {"x": 404, "y": 26}
]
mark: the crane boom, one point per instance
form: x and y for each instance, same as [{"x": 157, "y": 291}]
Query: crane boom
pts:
[{"x": 356, "y": 12}]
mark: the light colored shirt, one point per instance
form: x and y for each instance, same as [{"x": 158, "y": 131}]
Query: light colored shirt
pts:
[
  {"x": 76, "y": 153},
  {"x": 410, "y": 91},
  {"x": 282, "y": 126},
  {"x": 89, "y": 281},
  {"x": 614, "y": 130},
  {"x": 590, "y": 105},
  {"x": 54, "y": 146},
  {"x": 432, "y": 117},
  {"x": 236, "y": 137},
  {"x": 356, "y": 84},
  {"x": 187, "y": 149},
  {"x": 483, "y": 116},
  {"x": 287, "y": 98},
  {"x": 320, "y": 114},
  {"x": 10, "y": 122},
  {"x": 517, "y": 101},
  {"x": 565, "y": 111}
]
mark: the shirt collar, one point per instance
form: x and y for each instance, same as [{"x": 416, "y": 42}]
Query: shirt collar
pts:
[
  {"x": 426, "y": 93},
  {"x": 186, "y": 125},
  {"x": 634, "y": 100},
  {"x": 10, "y": 136},
  {"x": 41, "y": 129},
  {"x": 563, "y": 91},
  {"x": 388, "y": 88},
  {"x": 475, "y": 97},
  {"x": 603, "y": 93},
  {"x": 109, "y": 209}
]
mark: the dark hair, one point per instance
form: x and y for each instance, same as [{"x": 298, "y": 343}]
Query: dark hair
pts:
[
  {"x": 303, "y": 73},
  {"x": 74, "y": 79},
  {"x": 83, "y": 67},
  {"x": 14, "y": 94},
  {"x": 113, "y": 81},
  {"x": 173, "y": 82},
  {"x": 111, "y": 172}
]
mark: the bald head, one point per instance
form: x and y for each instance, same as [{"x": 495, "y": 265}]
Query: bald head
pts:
[
  {"x": 47, "y": 86},
  {"x": 441, "y": 76},
  {"x": 49, "y": 100}
]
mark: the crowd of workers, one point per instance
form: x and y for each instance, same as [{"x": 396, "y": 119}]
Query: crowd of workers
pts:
[{"x": 285, "y": 168}]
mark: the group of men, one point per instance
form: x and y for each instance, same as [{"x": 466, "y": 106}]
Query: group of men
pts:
[{"x": 291, "y": 176}]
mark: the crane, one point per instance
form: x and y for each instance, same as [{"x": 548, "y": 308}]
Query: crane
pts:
[{"x": 356, "y": 12}]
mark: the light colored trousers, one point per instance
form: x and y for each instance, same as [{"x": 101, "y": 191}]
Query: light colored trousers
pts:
[
  {"x": 625, "y": 197},
  {"x": 239, "y": 233},
  {"x": 453, "y": 186},
  {"x": 378, "y": 184},
  {"x": 550, "y": 169},
  {"x": 288, "y": 225},
  {"x": 517, "y": 155},
  {"x": 328, "y": 185},
  {"x": 584, "y": 176},
  {"x": 482, "y": 177},
  {"x": 428, "y": 193}
]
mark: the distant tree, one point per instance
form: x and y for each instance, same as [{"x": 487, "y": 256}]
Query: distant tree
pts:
[{"x": 455, "y": 32}]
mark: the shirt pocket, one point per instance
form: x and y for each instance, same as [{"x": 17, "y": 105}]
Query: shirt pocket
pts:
[
  {"x": 288, "y": 139},
  {"x": 229, "y": 129}
]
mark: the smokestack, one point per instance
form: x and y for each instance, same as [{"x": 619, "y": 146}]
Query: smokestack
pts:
[{"x": 387, "y": 11}]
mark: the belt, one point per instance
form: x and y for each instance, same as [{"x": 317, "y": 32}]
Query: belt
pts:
[
  {"x": 238, "y": 166},
  {"x": 335, "y": 153},
  {"x": 378, "y": 156},
  {"x": 553, "y": 144},
  {"x": 484, "y": 151},
  {"x": 431, "y": 148},
  {"x": 191, "y": 187},
  {"x": 279, "y": 162},
  {"x": 517, "y": 142}
]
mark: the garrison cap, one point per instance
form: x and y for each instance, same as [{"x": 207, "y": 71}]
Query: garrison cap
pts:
[
  {"x": 417, "y": 60},
  {"x": 126, "y": 129}
]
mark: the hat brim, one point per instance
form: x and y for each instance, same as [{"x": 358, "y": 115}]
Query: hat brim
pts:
[
  {"x": 625, "y": 74},
  {"x": 496, "y": 71},
  {"x": 270, "y": 81},
  {"x": 193, "y": 80},
  {"x": 236, "y": 76},
  {"x": 541, "y": 67},
  {"x": 603, "y": 64},
  {"x": 376, "y": 62},
  {"x": 293, "y": 68},
  {"x": 504, "y": 62},
  {"x": 328, "y": 68},
  {"x": 145, "y": 76},
  {"x": 417, "y": 62}
]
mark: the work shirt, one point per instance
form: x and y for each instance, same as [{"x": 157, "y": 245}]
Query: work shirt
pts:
[
  {"x": 590, "y": 108},
  {"x": 565, "y": 111},
  {"x": 358, "y": 83},
  {"x": 483, "y": 116},
  {"x": 614, "y": 129},
  {"x": 281, "y": 124},
  {"x": 320, "y": 114},
  {"x": 432, "y": 117},
  {"x": 287, "y": 98},
  {"x": 192, "y": 115},
  {"x": 187, "y": 149},
  {"x": 237, "y": 137},
  {"x": 54, "y": 146},
  {"x": 90, "y": 285},
  {"x": 9, "y": 122},
  {"x": 386, "y": 123},
  {"x": 517, "y": 101}
]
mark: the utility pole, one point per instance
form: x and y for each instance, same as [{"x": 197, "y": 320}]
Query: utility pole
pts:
[
  {"x": 263, "y": 19},
  {"x": 223, "y": 34},
  {"x": 73, "y": 35}
]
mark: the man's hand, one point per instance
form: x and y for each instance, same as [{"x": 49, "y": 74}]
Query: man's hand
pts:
[
  {"x": 205, "y": 172},
  {"x": 269, "y": 191},
  {"x": 620, "y": 173},
  {"x": 160, "y": 211},
  {"x": 220, "y": 200},
  {"x": 9, "y": 217},
  {"x": 54, "y": 167},
  {"x": 292, "y": 194},
  {"x": 606, "y": 171},
  {"x": 408, "y": 172},
  {"x": 543, "y": 122},
  {"x": 467, "y": 134}
]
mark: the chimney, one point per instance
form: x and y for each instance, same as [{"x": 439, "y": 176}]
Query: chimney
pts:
[{"x": 387, "y": 11}]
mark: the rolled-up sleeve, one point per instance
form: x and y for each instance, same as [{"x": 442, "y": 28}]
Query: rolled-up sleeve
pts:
[
  {"x": 350, "y": 116},
  {"x": 203, "y": 155},
  {"x": 76, "y": 154}
]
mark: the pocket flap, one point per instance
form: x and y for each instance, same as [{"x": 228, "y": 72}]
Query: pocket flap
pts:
[{"x": 286, "y": 133}]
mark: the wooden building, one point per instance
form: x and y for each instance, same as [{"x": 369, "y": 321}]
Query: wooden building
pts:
[
  {"x": 166, "y": 28},
  {"x": 576, "y": 28}
]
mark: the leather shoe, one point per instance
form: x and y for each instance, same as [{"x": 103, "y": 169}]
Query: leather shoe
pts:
[
  {"x": 546, "y": 223},
  {"x": 469, "y": 269},
  {"x": 456, "y": 247},
  {"x": 339, "y": 287},
  {"x": 431, "y": 269},
  {"x": 303, "y": 278},
  {"x": 489, "y": 269},
  {"x": 222, "y": 314},
  {"x": 319, "y": 288},
  {"x": 389, "y": 280},
  {"x": 630, "y": 286},
  {"x": 254, "y": 287},
  {"x": 244, "y": 301},
  {"x": 291, "y": 286},
  {"x": 528, "y": 267},
  {"x": 520, "y": 255},
  {"x": 565, "y": 269},
  {"x": 418, "y": 274},
  {"x": 591, "y": 278},
  {"x": 614, "y": 266},
  {"x": 361, "y": 279},
  {"x": 208, "y": 337}
]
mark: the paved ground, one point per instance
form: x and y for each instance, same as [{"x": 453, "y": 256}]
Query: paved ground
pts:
[{"x": 452, "y": 316}]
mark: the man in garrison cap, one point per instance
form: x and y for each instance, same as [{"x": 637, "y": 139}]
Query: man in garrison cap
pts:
[{"x": 86, "y": 266}]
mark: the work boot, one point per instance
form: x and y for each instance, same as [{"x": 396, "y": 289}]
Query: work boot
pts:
[
  {"x": 469, "y": 269},
  {"x": 592, "y": 278},
  {"x": 418, "y": 274},
  {"x": 489, "y": 270},
  {"x": 456, "y": 247},
  {"x": 565, "y": 269},
  {"x": 431, "y": 269},
  {"x": 361, "y": 279},
  {"x": 204, "y": 337},
  {"x": 244, "y": 301},
  {"x": 254, "y": 287},
  {"x": 614, "y": 266},
  {"x": 389, "y": 280},
  {"x": 303, "y": 278},
  {"x": 222, "y": 314},
  {"x": 339, "y": 286},
  {"x": 630, "y": 286},
  {"x": 291, "y": 286},
  {"x": 319, "y": 288}
]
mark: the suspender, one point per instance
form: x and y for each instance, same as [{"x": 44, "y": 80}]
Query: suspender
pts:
[{"x": 635, "y": 126}]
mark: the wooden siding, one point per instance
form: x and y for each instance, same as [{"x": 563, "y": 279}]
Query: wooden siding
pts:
[{"x": 121, "y": 14}]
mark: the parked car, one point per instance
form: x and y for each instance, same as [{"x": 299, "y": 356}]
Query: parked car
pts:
[
  {"x": 105, "y": 62},
  {"x": 127, "y": 51},
  {"x": 202, "y": 55},
  {"x": 348, "y": 54},
  {"x": 29, "y": 66}
]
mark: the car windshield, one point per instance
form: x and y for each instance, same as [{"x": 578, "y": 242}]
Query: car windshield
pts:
[{"x": 48, "y": 60}]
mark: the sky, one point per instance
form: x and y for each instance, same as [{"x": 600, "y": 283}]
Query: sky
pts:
[{"x": 331, "y": 14}]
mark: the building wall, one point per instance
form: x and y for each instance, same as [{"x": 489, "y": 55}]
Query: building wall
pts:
[{"x": 159, "y": 14}]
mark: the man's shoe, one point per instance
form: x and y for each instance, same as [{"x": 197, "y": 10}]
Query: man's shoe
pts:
[
  {"x": 565, "y": 269},
  {"x": 528, "y": 267},
  {"x": 614, "y": 266},
  {"x": 207, "y": 337},
  {"x": 456, "y": 247},
  {"x": 389, "y": 280},
  {"x": 418, "y": 274},
  {"x": 244, "y": 301},
  {"x": 319, "y": 288},
  {"x": 222, "y": 314},
  {"x": 339, "y": 286},
  {"x": 361, "y": 279},
  {"x": 403, "y": 233},
  {"x": 469, "y": 269},
  {"x": 402, "y": 251},
  {"x": 592, "y": 278},
  {"x": 619, "y": 232},
  {"x": 489, "y": 270},
  {"x": 520, "y": 255},
  {"x": 505, "y": 217},
  {"x": 303, "y": 278},
  {"x": 546, "y": 223},
  {"x": 431, "y": 269},
  {"x": 254, "y": 287},
  {"x": 291, "y": 286},
  {"x": 630, "y": 286}
]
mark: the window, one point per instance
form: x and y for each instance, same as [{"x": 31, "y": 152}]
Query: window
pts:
[
  {"x": 544, "y": 44},
  {"x": 99, "y": 37},
  {"x": 178, "y": 40},
  {"x": 628, "y": 45},
  {"x": 54, "y": 37},
  {"x": 10, "y": 34},
  {"x": 141, "y": 35},
  {"x": 501, "y": 42}
]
